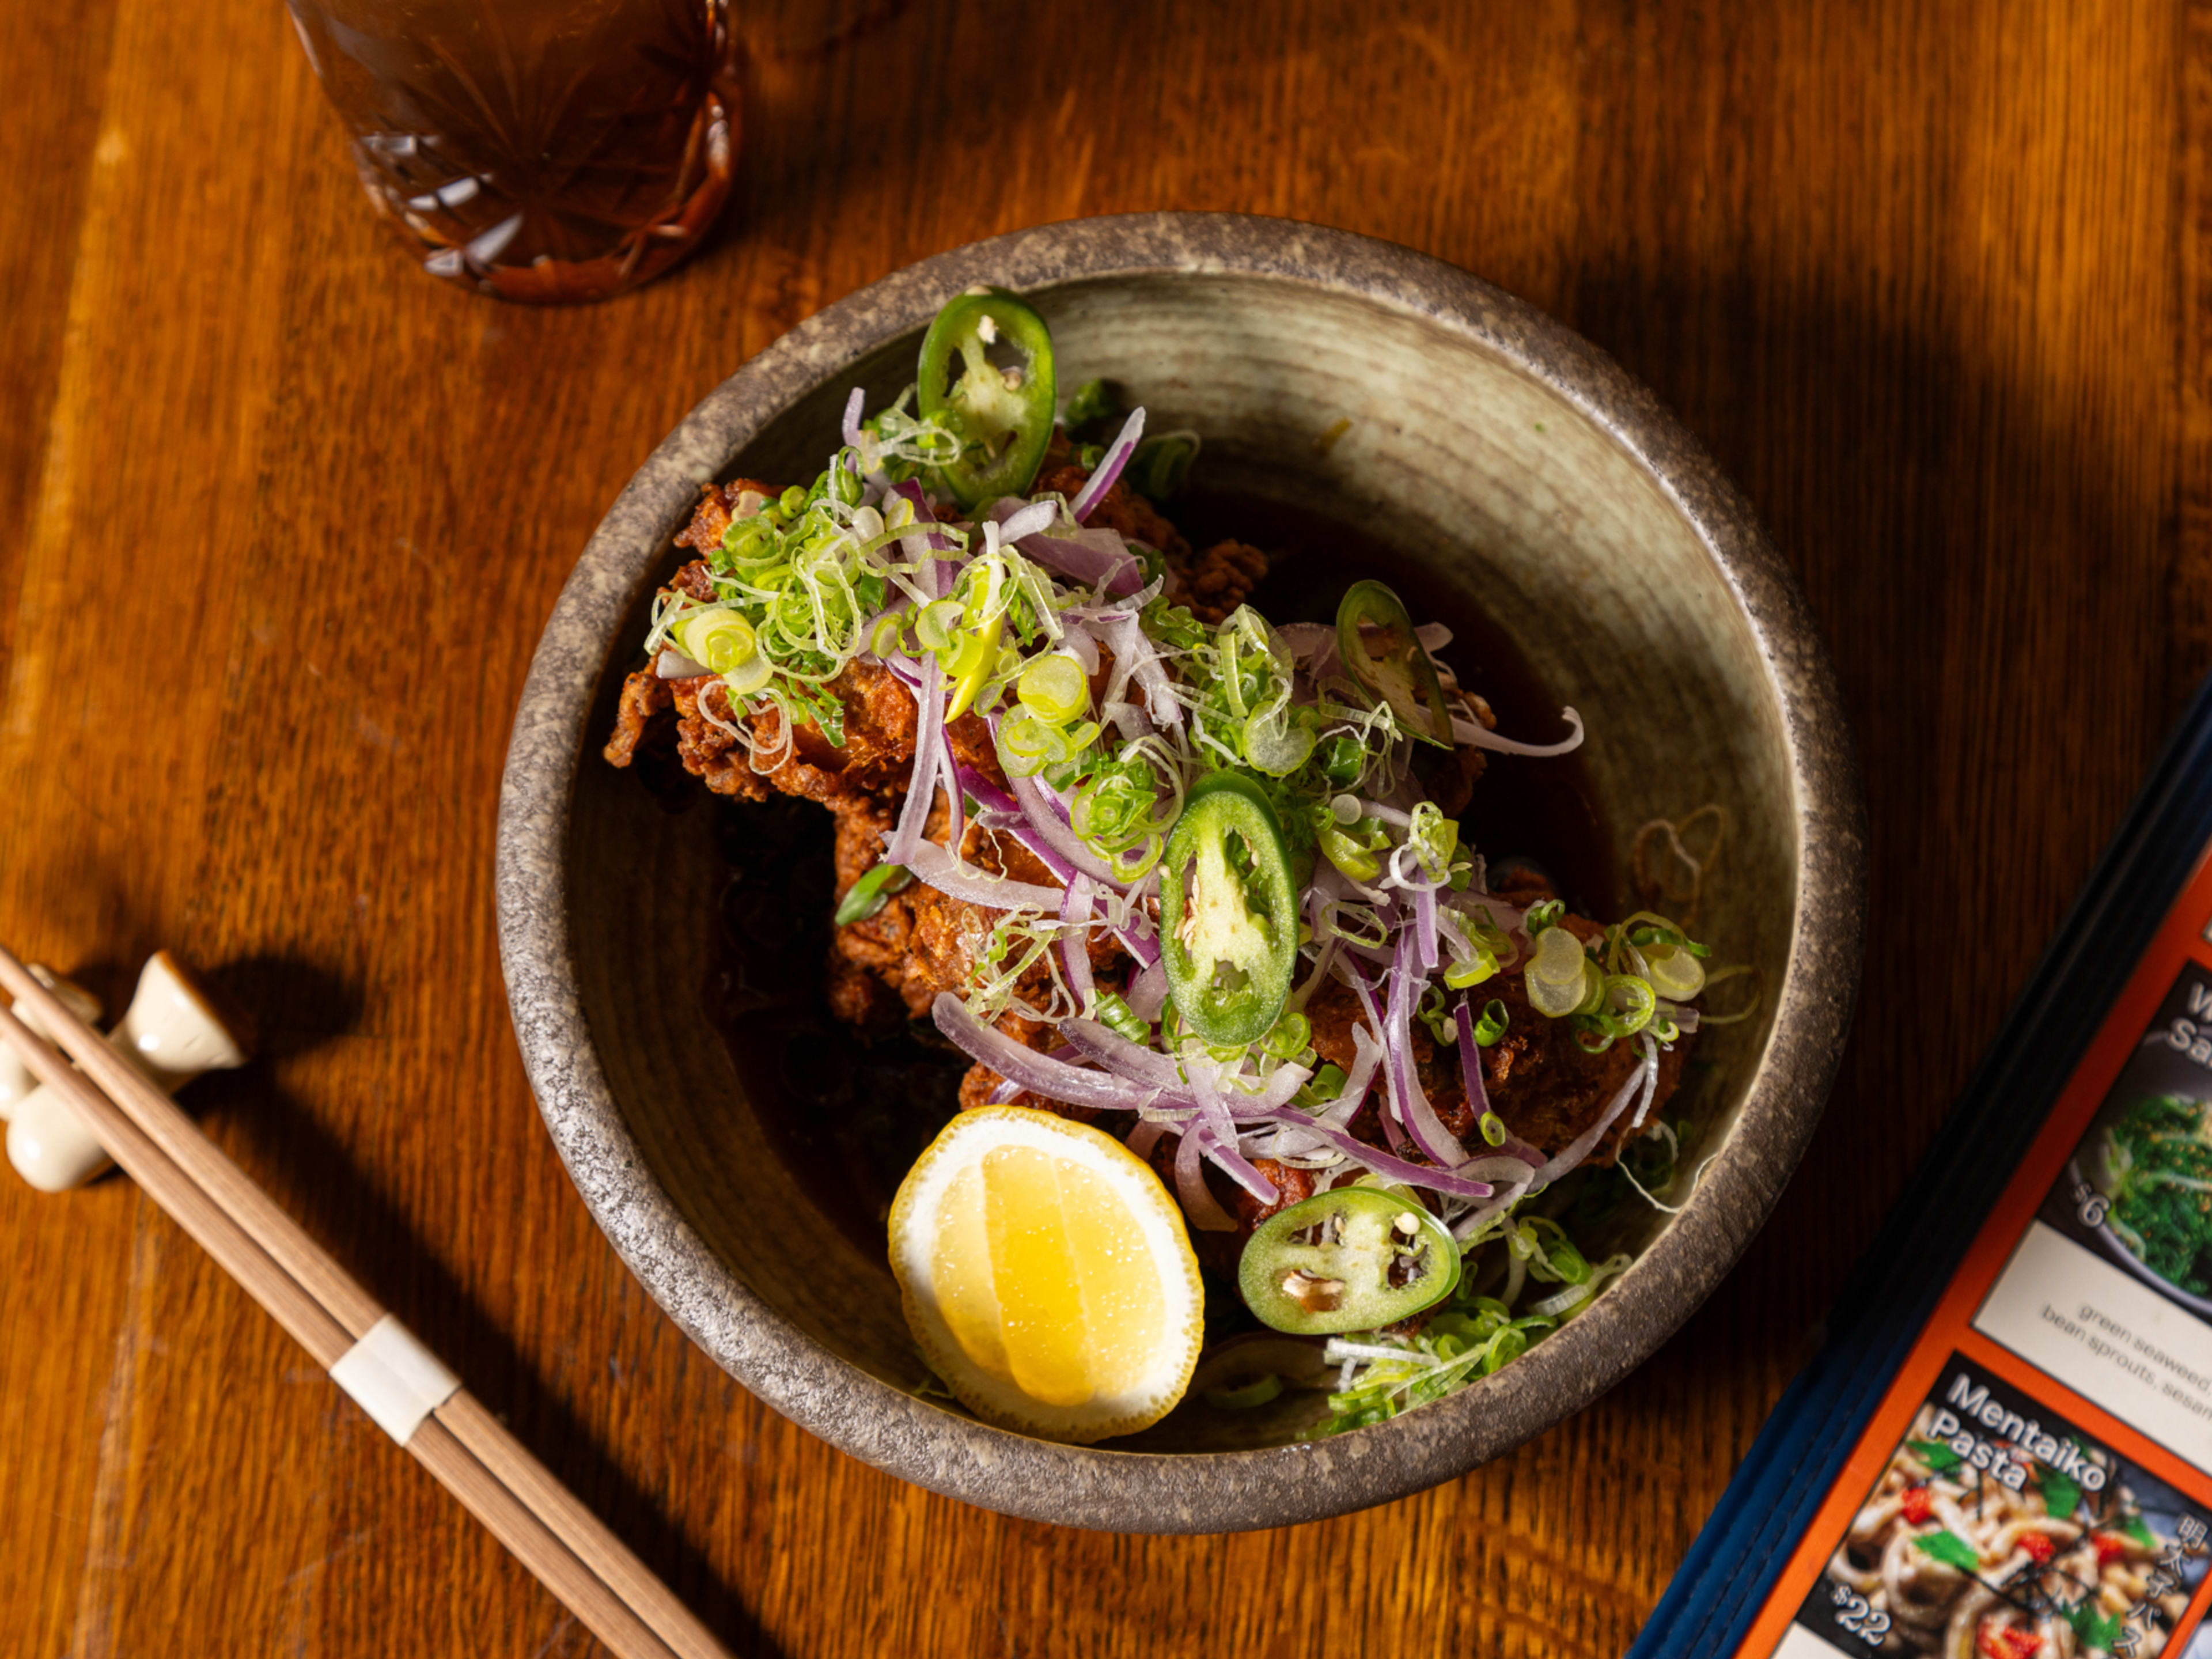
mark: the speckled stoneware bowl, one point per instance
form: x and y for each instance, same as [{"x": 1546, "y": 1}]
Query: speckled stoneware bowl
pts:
[{"x": 1527, "y": 477}]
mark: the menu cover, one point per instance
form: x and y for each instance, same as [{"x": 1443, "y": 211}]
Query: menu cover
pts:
[{"x": 2005, "y": 1450}]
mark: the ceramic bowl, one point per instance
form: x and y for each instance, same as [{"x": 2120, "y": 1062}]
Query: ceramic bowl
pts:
[{"x": 1520, "y": 473}]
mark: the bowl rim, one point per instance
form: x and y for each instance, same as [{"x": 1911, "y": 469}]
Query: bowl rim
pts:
[{"x": 1103, "y": 1487}]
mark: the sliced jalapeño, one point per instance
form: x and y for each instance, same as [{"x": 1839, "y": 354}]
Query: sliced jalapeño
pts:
[
  {"x": 1000, "y": 412},
  {"x": 1355, "y": 1258},
  {"x": 1375, "y": 636},
  {"x": 1228, "y": 912}
]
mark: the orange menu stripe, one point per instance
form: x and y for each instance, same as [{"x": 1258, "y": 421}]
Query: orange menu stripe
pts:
[{"x": 1948, "y": 1329}]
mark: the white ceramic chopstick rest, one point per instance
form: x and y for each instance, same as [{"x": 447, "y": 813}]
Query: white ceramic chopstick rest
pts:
[
  {"x": 16, "y": 1082},
  {"x": 169, "y": 1033}
]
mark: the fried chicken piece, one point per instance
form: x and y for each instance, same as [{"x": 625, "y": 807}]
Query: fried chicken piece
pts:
[
  {"x": 1214, "y": 583},
  {"x": 1292, "y": 1186},
  {"x": 644, "y": 695},
  {"x": 719, "y": 504}
]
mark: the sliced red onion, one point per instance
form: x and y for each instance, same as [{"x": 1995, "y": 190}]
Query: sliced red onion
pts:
[
  {"x": 1475, "y": 1220},
  {"x": 1216, "y": 1135},
  {"x": 1470, "y": 1062},
  {"x": 1424, "y": 930},
  {"x": 1077, "y": 641},
  {"x": 920, "y": 543},
  {"x": 921, "y": 788},
  {"x": 1145, "y": 1136},
  {"x": 851, "y": 428},
  {"x": 936, "y": 867},
  {"x": 1498, "y": 1166},
  {"x": 1045, "y": 818},
  {"x": 1304, "y": 639},
  {"x": 1579, "y": 1148},
  {"x": 673, "y": 665},
  {"x": 1198, "y": 1203},
  {"x": 1135, "y": 657},
  {"x": 1025, "y": 519},
  {"x": 1075, "y": 944},
  {"x": 1390, "y": 1168},
  {"x": 956, "y": 802},
  {"x": 1478, "y": 736},
  {"x": 1650, "y": 1071},
  {"x": 1109, "y": 467},
  {"x": 1409, "y": 1100},
  {"x": 1005, "y": 1094},
  {"x": 1148, "y": 990},
  {"x": 1017, "y": 1062},
  {"x": 1122, "y": 1057},
  {"x": 1154, "y": 1070},
  {"x": 987, "y": 795},
  {"x": 1366, "y": 1060},
  {"x": 1090, "y": 557},
  {"x": 1686, "y": 1019},
  {"x": 1433, "y": 636}
]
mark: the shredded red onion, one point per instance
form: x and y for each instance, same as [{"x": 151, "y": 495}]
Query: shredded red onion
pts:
[
  {"x": 1198, "y": 1203},
  {"x": 1026, "y": 518},
  {"x": 1045, "y": 818},
  {"x": 1478, "y": 736},
  {"x": 1077, "y": 640},
  {"x": 851, "y": 427},
  {"x": 1650, "y": 1080},
  {"x": 1005, "y": 1094},
  {"x": 1390, "y": 1167},
  {"x": 1075, "y": 944},
  {"x": 1148, "y": 990},
  {"x": 1475, "y": 1220},
  {"x": 1217, "y": 1137},
  {"x": 1424, "y": 930},
  {"x": 1145, "y": 1136},
  {"x": 921, "y": 789},
  {"x": 1579, "y": 1148},
  {"x": 936, "y": 867},
  {"x": 987, "y": 795},
  {"x": 673, "y": 665},
  {"x": 1470, "y": 1061},
  {"x": 956, "y": 802},
  {"x": 1154, "y": 1070},
  {"x": 1054, "y": 1080},
  {"x": 1109, "y": 467},
  {"x": 1407, "y": 1098},
  {"x": 1090, "y": 557}
]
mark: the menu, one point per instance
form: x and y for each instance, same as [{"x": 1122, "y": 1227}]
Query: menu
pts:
[{"x": 2043, "y": 1458}]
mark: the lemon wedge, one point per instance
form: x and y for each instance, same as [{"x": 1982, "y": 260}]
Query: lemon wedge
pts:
[{"x": 1047, "y": 1275}]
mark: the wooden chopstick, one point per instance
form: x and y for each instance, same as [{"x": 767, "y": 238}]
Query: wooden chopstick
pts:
[{"x": 326, "y": 1311}]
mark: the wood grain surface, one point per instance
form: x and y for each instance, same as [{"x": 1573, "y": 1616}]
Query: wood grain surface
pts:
[{"x": 283, "y": 518}]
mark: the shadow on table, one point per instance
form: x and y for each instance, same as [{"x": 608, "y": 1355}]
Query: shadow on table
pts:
[{"x": 345, "y": 1210}]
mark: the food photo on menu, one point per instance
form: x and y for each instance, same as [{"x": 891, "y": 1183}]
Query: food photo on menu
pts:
[{"x": 1997, "y": 1530}]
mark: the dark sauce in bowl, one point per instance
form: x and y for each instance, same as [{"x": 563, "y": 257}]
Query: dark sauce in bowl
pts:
[{"x": 848, "y": 1115}]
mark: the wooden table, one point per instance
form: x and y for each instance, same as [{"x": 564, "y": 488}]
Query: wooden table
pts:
[{"x": 285, "y": 517}]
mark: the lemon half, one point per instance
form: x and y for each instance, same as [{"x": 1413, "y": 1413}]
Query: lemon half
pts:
[{"x": 1047, "y": 1275}]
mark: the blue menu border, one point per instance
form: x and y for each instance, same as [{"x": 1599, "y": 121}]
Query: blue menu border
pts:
[{"x": 1732, "y": 1565}]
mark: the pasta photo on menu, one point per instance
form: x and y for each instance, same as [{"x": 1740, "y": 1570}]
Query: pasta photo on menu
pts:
[{"x": 1996, "y": 1530}]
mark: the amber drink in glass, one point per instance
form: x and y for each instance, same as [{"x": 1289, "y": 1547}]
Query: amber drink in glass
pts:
[{"x": 548, "y": 150}]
